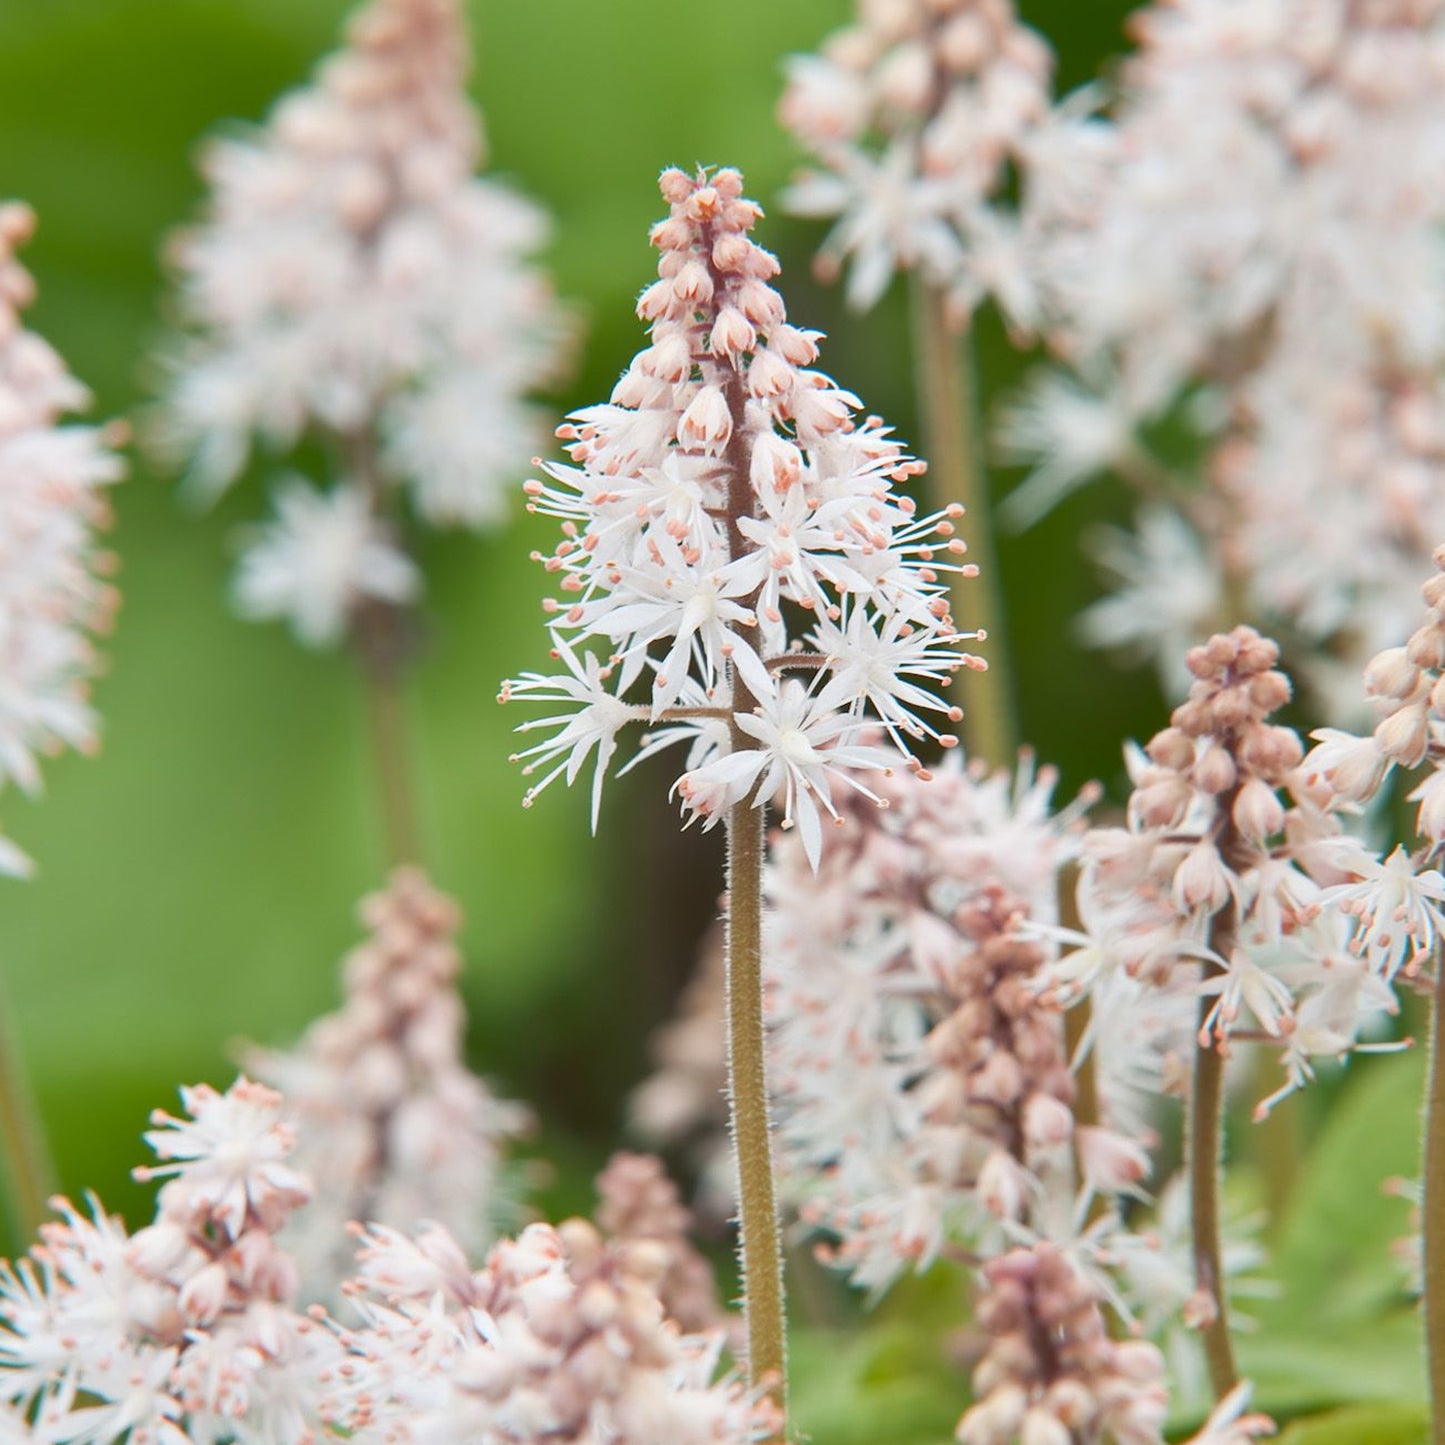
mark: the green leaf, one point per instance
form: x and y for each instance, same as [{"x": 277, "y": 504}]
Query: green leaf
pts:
[
  {"x": 1341, "y": 1330},
  {"x": 1368, "y": 1425}
]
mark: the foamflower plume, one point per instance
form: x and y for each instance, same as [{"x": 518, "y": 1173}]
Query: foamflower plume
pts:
[
  {"x": 737, "y": 568},
  {"x": 354, "y": 282},
  {"x": 55, "y": 598}
]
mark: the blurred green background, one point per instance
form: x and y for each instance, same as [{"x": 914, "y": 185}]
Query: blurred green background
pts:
[{"x": 197, "y": 880}]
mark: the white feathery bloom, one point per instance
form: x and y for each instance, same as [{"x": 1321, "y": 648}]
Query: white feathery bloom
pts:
[
  {"x": 353, "y": 282},
  {"x": 1259, "y": 225},
  {"x": 560, "y": 1335},
  {"x": 1068, "y": 431},
  {"x": 725, "y": 493},
  {"x": 1228, "y": 821},
  {"x": 1167, "y": 592},
  {"x": 323, "y": 556},
  {"x": 915, "y": 116},
  {"x": 53, "y": 595},
  {"x": 921, "y": 1085},
  {"x": 186, "y": 1332},
  {"x": 390, "y": 1122}
]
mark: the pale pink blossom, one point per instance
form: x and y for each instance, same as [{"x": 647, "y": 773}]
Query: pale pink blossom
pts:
[{"x": 53, "y": 594}]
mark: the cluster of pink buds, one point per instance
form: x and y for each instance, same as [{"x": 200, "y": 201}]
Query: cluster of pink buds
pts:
[
  {"x": 924, "y": 1098},
  {"x": 52, "y": 502},
  {"x": 391, "y": 1122},
  {"x": 917, "y": 113},
  {"x": 355, "y": 283},
  {"x": 724, "y": 493},
  {"x": 560, "y": 1336},
  {"x": 186, "y": 1331},
  {"x": 1052, "y": 1375},
  {"x": 637, "y": 1201},
  {"x": 1217, "y": 887}
]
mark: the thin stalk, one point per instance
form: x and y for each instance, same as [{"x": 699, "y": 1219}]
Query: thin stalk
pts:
[
  {"x": 383, "y": 636},
  {"x": 1204, "y": 1148},
  {"x": 761, "y": 1248},
  {"x": 24, "y": 1158},
  {"x": 948, "y": 401},
  {"x": 389, "y": 743},
  {"x": 1433, "y": 1211}
]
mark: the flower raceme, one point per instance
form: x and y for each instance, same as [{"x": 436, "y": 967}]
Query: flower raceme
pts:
[{"x": 736, "y": 567}]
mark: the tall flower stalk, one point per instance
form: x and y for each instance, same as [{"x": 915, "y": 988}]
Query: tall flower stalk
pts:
[
  {"x": 738, "y": 573},
  {"x": 355, "y": 284}
]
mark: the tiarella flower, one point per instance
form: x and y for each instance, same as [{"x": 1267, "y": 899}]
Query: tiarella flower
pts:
[
  {"x": 1167, "y": 592},
  {"x": 322, "y": 558},
  {"x": 1246, "y": 246},
  {"x": 724, "y": 492},
  {"x": 916, "y": 115},
  {"x": 1215, "y": 891},
  {"x": 186, "y": 1331},
  {"x": 561, "y": 1335},
  {"x": 53, "y": 595},
  {"x": 923, "y": 1095},
  {"x": 1052, "y": 1374},
  {"x": 353, "y": 282},
  {"x": 391, "y": 1123}
]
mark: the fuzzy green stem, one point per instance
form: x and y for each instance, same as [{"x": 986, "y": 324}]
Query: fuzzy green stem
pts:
[
  {"x": 24, "y": 1158},
  {"x": 761, "y": 1240},
  {"x": 948, "y": 402},
  {"x": 1205, "y": 1146},
  {"x": 1433, "y": 1211}
]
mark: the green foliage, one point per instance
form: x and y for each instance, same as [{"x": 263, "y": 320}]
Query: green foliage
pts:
[
  {"x": 1369, "y": 1425},
  {"x": 1341, "y": 1328}
]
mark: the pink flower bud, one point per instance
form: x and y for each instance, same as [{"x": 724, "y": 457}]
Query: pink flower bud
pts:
[
  {"x": 1258, "y": 812},
  {"x": 1111, "y": 1163},
  {"x": 1201, "y": 880},
  {"x": 1404, "y": 737},
  {"x": 706, "y": 425},
  {"x": 204, "y": 1295}
]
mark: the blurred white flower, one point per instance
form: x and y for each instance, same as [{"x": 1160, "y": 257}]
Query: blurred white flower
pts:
[
  {"x": 322, "y": 557},
  {"x": 53, "y": 595},
  {"x": 354, "y": 282}
]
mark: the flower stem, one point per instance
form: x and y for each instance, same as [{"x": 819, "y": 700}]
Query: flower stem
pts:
[
  {"x": 24, "y": 1158},
  {"x": 761, "y": 1241},
  {"x": 1433, "y": 1211},
  {"x": 948, "y": 401},
  {"x": 377, "y": 633},
  {"x": 1205, "y": 1146}
]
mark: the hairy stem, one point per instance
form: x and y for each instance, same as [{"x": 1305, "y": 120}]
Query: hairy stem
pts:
[
  {"x": 761, "y": 1246},
  {"x": 24, "y": 1158},
  {"x": 1433, "y": 1210},
  {"x": 947, "y": 392},
  {"x": 1205, "y": 1146}
]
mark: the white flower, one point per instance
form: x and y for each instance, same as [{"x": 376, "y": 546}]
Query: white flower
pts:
[
  {"x": 52, "y": 592},
  {"x": 1068, "y": 431},
  {"x": 321, "y": 558},
  {"x": 725, "y": 492}
]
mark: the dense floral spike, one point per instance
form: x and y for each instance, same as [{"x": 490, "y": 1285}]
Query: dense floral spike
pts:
[
  {"x": 920, "y": 114},
  {"x": 559, "y": 1337},
  {"x": 1052, "y": 1375},
  {"x": 186, "y": 1332},
  {"x": 1225, "y": 825},
  {"x": 354, "y": 281},
  {"x": 637, "y": 1201},
  {"x": 52, "y": 502},
  {"x": 923, "y": 1087},
  {"x": 735, "y": 566},
  {"x": 1262, "y": 220},
  {"x": 392, "y": 1123}
]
